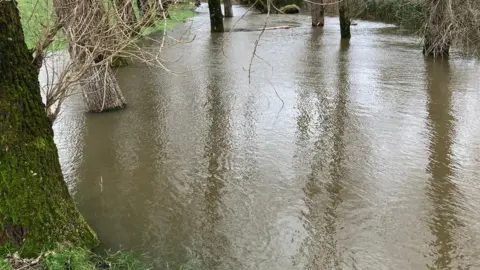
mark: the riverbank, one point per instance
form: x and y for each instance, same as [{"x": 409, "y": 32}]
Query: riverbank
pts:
[{"x": 75, "y": 258}]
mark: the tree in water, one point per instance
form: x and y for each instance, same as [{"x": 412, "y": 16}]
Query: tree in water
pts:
[
  {"x": 216, "y": 16},
  {"x": 227, "y": 8},
  {"x": 36, "y": 209},
  {"x": 317, "y": 10},
  {"x": 437, "y": 35},
  {"x": 87, "y": 32},
  {"x": 344, "y": 15}
]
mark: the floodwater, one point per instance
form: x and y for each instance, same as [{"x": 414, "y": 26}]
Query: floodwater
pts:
[{"x": 334, "y": 156}]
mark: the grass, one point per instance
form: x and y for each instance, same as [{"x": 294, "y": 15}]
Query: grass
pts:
[
  {"x": 179, "y": 13},
  {"x": 76, "y": 258},
  {"x": 37, "y": 16},
  {"x": 5, "y": 265}
]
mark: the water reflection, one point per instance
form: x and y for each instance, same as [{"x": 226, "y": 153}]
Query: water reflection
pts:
[
  {"x": 324, "y": 184},
  {"x": 441, "y": 191},
  {"x": 216, "y": 153},
  {"x": 206, "y": 165}
]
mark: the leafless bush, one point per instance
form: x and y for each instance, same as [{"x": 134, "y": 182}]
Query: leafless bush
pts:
[
  {"x": 452, "y": 22},
  {"x": 97, "y": 33}
]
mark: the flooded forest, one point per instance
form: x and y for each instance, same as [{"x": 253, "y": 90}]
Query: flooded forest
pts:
[{"x": 275, "y": 134}]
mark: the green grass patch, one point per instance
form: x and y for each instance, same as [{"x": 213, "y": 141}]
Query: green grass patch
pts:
[
  {"x": 179, "y": 13},
  {"x": 69, "y": 258},
  {"x": 37, "y": 17},
  {"x": 77, "y": 258},
  {"x": 5, "y": 265}
]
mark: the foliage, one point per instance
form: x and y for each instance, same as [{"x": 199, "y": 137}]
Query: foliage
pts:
[
  {"x": 121, "y": 260},
  {"x": 77, "y": 258},
  {"x": 69, "y": 258},
  {"x": 5, "y": 265},
  {"x": 410, "y": 14}
]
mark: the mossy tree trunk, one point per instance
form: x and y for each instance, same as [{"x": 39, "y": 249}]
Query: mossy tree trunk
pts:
[
  {"x": 216, "y": 16},
  {"x": 227, "y": 8},
  {"x": 36, "y": 210},
  {"x": 317, "y": 10},
  {"x": 344, "y": 15},
  {"x": 437, "y": 42}
]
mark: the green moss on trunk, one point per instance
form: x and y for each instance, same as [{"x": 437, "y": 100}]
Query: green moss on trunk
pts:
[
  {"x": 216, "y": 17},
  {"x": 36, "y": 210}
]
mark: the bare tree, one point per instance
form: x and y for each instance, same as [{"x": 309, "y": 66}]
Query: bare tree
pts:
[
  {"x": 125, "y": 11},
  {"x": 88, "y": 30},
  {"x": 227, "y": 8},
  {"x": 216, "y": 16},
  {"x": 96, "y": 35},
  {"x": 317, "y": 10},
  {"x": 345, "y": 21},
  {"x": 438, "y": 28},
  {"x": 452, "y": 22}
]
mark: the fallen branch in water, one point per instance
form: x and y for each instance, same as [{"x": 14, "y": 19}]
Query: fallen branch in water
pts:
[{"x": 275, "y": 27}]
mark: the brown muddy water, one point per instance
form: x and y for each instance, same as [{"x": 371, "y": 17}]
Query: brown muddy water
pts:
[{"x": 368, "y": 158}]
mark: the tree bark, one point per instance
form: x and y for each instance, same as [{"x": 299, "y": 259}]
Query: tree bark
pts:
[
  {"x": 436, "y": 42},
  {"x": 101, "y": 92},
  {"x": 216, "y": 17},
  {"x": 227, "y": 8},
  {"x": 318, "y": 13},
  {"x": 36, "y": 209},
  {"x": 344, "y": 15}
]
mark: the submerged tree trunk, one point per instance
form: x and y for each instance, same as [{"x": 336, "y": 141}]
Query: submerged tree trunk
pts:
[
  {"x": 318, "y": 13},
  {"x": 437, "y": 41},
  {"x": 83, "y": 37},
  {"x": 227, "y": 7},
  {"x": 36, "y": 210},
  {"x": 101, "y": 92},
  {"x": 216, "y": 17},
  {"x": 345, "y": 21}
]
